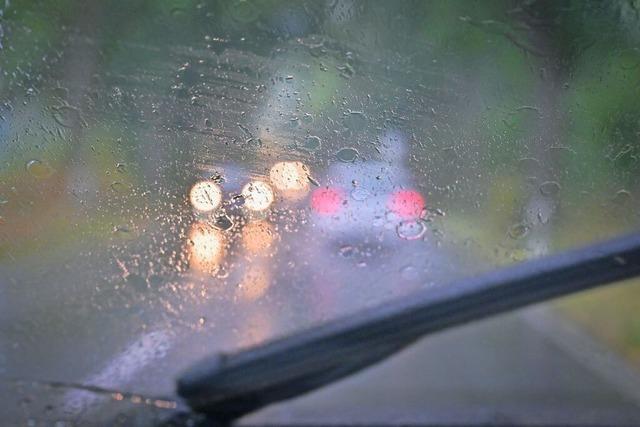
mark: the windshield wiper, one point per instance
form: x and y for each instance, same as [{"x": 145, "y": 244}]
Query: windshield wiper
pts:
[{"x": 227, "y": 386}]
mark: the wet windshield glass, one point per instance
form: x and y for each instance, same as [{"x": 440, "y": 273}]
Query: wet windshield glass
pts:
[{"x": 183, "y": 177}]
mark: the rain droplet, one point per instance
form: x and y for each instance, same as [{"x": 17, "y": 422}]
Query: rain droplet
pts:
[
  {"x": 347, "y": 155},
  {"x": 121, "y": 167},
  {"x": 347, "y": 251},
  {"x": 244, "y": 11},
  {"x": 549, "y": 188},
  {"x": 39, "y": 169},
  {"x": 311, "y": 143},
  {"x": 123, "y": 232},
  {"x": 543, "y": 217},
  {"x": 518, "y": 231},
  {"x": 65, "y": 115},
  {"x": 621, "y": 197},
  {"x": 237, "y": 200},
  {"x": 178, "y": 12},
  {"x": 346, "y": 71},
  {"x": 118, "y": 187},
  {"x": 411, "y": 230},
  {"x": 202, "y": 320},
  {"x": 409, "y": 272},
  {"x": 360, "y": 194},
  {"x": 223, "y": 223},
  {"x": 528, "y": 164},
  {"x": 217, "y": 177}
]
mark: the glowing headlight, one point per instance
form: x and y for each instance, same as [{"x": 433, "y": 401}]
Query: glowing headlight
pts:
[
  {"x": 205, "y": 196},
  {"x": 258, "y": 195}
]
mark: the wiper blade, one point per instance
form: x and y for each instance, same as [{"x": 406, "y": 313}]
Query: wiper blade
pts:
[{"x": 227, "y": 386}]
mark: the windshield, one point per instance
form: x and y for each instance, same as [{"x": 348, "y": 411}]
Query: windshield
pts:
[{"x": 182, "y": 177}]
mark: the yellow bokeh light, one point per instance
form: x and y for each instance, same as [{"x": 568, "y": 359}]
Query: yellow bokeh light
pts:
[
  {"x": 258, "y": 236},
  {"x": 258, "y": 195},
  {"x": 290, "y": 176},
  {"x": 255, "y": 282},
  {"x": 206, "y": 247},
  {"x": 205, "y": 196}
]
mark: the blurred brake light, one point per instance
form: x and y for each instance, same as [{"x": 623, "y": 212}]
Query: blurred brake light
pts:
[
  {"x": 327, "y": 200},
  {"x": 407, "y": 204}
]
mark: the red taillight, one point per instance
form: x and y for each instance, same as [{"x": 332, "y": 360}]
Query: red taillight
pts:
[
  {"x": 327, "y": 200},
  {"x": 407, "y": 204}
]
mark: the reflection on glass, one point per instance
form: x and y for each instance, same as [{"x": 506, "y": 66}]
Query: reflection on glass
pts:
[
  {"x": 206, "y": 247},
  {"x": 205, "y": 196},
  {"x": 290, "y": 178},
  {"x": 258, "y": 236},
  {"x": 258, "y": 195}
]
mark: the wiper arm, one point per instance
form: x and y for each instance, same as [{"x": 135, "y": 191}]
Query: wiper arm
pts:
[{"x": 227, "y": 386}]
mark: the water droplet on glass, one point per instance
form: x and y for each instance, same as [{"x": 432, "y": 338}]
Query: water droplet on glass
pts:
[
  {"x": 217, "y": 177},
  {"x": 360, "y": 194},
  {"x": 409, "y": 272},
  {"x": 307, "y": 118},
  {"x": 411, "y": 230},
  {"x": 347, "y": 251},
  {"x": 543, "y": 217},
  {"x": 237, "y": 200},
  {"x": 244, "y": 11},
  {"x": 312, "y": 143},
  {"x": 178, "y": 12},
  {"x": 621, "y": 197},
  {"x": 123, "y": 232},
  {"x": 202, "y": 320},
  {"x": 121, "y": 167},
  {"x": 65, "y": 115},
  {"x": 346, "y": 70},
  {"x": 39, "y": 169},
  {"x": 549, "y": 188},
  {"x": 527, "y": 164},
  {"x": 347, "y": 155},
  {"x": 518, "y": 231},
  {"x": 223, "y": 223},
  {"x": 118, "y": 187}
]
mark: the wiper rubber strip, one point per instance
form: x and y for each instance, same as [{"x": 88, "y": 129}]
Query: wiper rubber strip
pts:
[{"x": 228, "y": 386}]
